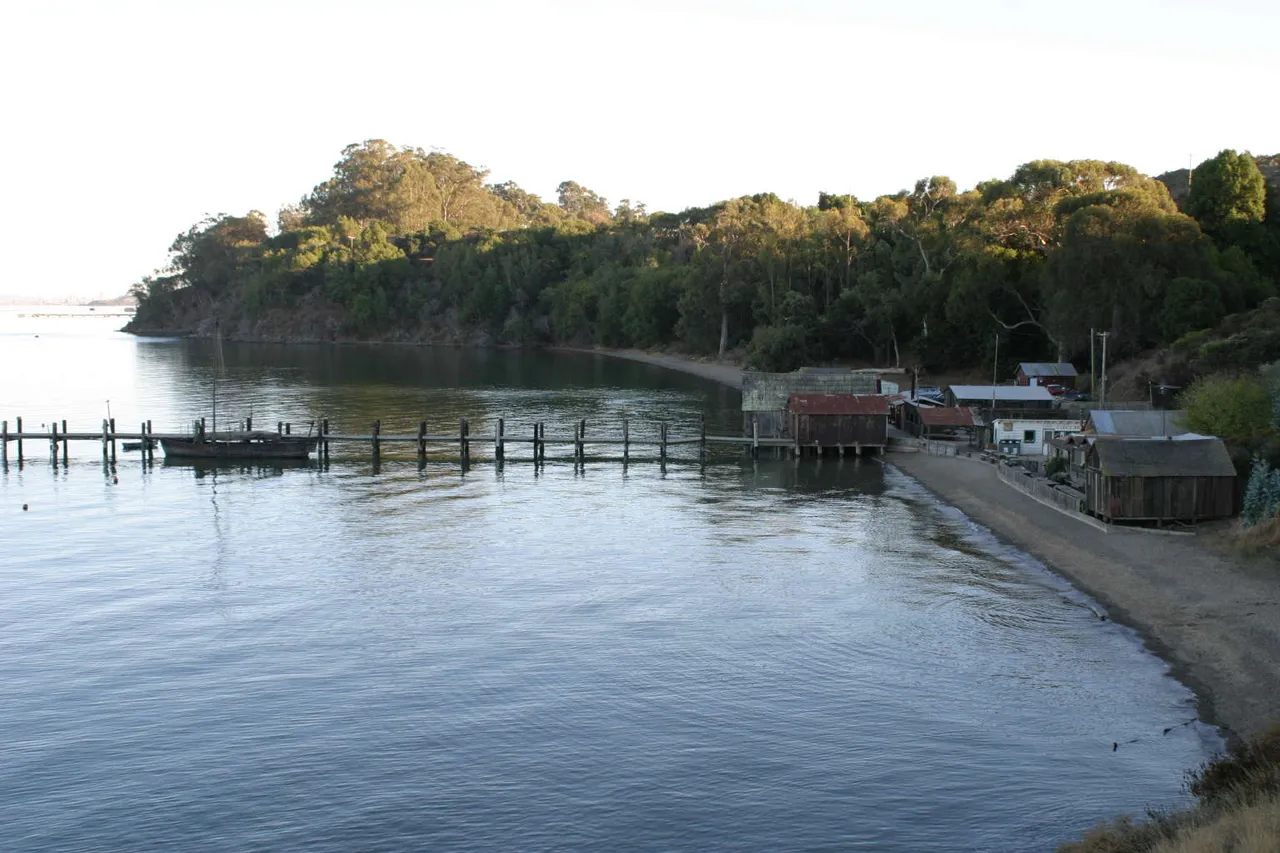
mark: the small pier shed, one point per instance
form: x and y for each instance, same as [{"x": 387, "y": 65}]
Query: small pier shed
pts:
[{"x": 839, "y": 421}]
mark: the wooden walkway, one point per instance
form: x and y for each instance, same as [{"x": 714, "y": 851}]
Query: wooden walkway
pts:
[{"x": 461, "y": 444}]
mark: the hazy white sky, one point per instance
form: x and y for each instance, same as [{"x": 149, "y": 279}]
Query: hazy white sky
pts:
[{"x": 127, "y": 122}]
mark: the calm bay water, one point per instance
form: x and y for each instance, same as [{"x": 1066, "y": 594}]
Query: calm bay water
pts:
[{"x": 744, "y": 656}]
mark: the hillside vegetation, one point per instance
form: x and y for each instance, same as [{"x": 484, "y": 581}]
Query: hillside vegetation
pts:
[{"x": 401, "y": 244}]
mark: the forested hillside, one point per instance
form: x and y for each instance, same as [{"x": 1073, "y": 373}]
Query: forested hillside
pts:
[{"x": 401, "y": 244}]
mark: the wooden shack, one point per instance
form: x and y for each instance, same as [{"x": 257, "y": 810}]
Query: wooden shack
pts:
[
  {"x": 839, "y": 421},
  {"x": 1046, "y": 373},
  {"x": 942, "y": 421},
  {"x": 1159, "y": 480},
  {"x": 765, "y": 395}
]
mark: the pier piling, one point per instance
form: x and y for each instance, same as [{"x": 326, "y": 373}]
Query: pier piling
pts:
[
  {"x": 626, "y": 440},
  {"x": 4, "y": 445},
  {"x": 19, "y": 442},
  {"x": 499, "y": 441}
]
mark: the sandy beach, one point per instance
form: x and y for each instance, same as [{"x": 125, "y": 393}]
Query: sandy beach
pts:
[{"x": 1215, "y": 619}]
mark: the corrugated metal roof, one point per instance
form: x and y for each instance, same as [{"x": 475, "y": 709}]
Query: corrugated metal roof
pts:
[
  {"x": 1144, "y": 424},
  {"x": 1160, "y": 457},
  {"x": 768, "y": 392},
  {"x": 1002, "y": 393},
  {"x": 959, "y": 416},
  {"x": 1047, "y": 368},
  {"x": 837, "y": 404}
]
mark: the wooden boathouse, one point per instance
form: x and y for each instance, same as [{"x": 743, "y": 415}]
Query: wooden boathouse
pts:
[
  {"x": 839, "y": 421},
  {"x": 1159, "y": 480}
]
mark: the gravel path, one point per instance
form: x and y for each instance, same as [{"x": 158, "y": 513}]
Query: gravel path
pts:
[{"x": 1214, "y": 618}]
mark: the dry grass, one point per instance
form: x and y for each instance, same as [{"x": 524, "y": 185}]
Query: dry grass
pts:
[
  {"x": 1264, "y": 535},
  {"x": 1238, "y": 810},
  {"x": 1254, "y": 828}
]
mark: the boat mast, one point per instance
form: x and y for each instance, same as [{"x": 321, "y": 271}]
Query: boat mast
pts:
[{"x": 217, "y": 343}]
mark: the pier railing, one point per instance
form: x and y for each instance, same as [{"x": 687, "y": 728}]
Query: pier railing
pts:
[{"x": 460, "y": 445}]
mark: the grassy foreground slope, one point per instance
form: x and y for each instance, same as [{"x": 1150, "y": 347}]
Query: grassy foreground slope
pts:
[{"x": 1237, "y": 809}]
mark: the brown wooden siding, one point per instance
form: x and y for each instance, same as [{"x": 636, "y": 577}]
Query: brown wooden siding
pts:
[
  {"x": 836, "y": 430},
  {"x": 1159, "y": 498}
]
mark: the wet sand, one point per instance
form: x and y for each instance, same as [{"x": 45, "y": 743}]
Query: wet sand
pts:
[{"x": 1214, "y": 618}]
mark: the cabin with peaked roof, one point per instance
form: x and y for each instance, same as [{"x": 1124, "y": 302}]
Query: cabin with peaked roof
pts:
[
  {"x": 1159, "y": 479},
  {"x": 1046, "y": 373},
  {"x": 839, "y": 421},
  {"x": 1129, "y": 423}
]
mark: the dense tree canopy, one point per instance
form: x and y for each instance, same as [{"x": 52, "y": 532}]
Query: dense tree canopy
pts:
[{"x": 404, "y": 243}]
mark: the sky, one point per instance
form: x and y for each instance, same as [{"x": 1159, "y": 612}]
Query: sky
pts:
[{"x": 129, "y": 122}]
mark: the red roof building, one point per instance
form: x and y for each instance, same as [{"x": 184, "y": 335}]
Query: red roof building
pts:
[{"x": 839, "y": 420}]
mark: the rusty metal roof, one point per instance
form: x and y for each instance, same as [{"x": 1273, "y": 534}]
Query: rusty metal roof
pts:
[
  {"x": 958, "y": 416},
  {"x": 838, "y": 404}
]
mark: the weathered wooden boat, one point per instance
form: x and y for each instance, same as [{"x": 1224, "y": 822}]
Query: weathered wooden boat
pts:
[{"x": 239, "y": 445}]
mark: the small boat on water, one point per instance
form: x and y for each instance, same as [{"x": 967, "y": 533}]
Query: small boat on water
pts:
[{"x": 239, "y": 445}]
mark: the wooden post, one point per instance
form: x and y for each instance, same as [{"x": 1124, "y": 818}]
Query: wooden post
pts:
[
  {"x": 464, "y": 443},
  {"x": 4, "y": 442},
  {"x": 499, "y": 441},
  {"x": 64, "y": 444},
  {"x": 324, "y": 441},
  {"x": 105, "y": 428},
  {"x": 422, "y": 443},
  {"x": 377, "y": 431},
  {"x": 626, "y": 440},
  {"x": 19, "y": 441},
  {"x": 202, "y": 426},
  {"x": 113, "y": 441},
  {"x": 582, "y": 435},
  {"x": 248, "y": 424},
  {"x": 662, "y": 443},
  {"x": 53, "y": 441},
  {"x": 755, "y": 439},
  {"x": 280, "y": 427},
  {"x": 288, "y": 429},
  {"x": 702, "y": 448}
]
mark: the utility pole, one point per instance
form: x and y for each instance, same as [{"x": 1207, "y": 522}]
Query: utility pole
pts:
[
  {"x": 1103, "y": 398},
  {"x": 995, "y": 372},
  {"x": 1093, "y": 367}
]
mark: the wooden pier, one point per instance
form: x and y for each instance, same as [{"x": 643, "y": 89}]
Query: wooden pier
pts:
[{"x": 424, "y": 445}]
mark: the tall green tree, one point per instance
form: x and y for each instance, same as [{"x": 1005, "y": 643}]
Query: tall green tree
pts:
[{"x": 1227, "y": 191}]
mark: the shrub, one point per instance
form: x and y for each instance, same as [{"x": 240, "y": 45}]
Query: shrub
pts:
[{"x": 1249, "y": 770}]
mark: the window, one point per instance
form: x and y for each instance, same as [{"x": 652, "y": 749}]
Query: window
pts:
[{"x": 1028, "y": 436}]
